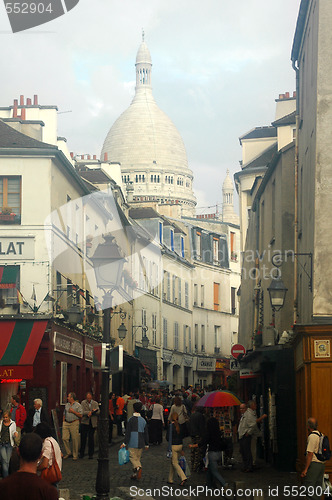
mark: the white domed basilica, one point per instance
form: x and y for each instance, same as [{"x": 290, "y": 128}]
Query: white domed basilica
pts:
[{"x": 150, "y": 149}]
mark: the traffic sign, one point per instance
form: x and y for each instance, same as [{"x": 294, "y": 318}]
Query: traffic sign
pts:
[
  {"x": 234, "y": 365},
  {"x": 236, "y": 350}
]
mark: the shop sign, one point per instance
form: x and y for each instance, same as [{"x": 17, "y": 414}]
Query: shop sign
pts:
[
  {"x": 68, "y": 345},
  {"x": 167, "y": 356},
  {"x": 16, "y": 372},
  {"x": 17, "y": 248},
  {"x": 206, "y": 364},
  {"x": 322, "y": 348},
  {"x": 248, "y": 374},
  {"x": 220, "y": 365},
  {"x": 187, "y": 360},
  {"x": 88, "y": 353}
]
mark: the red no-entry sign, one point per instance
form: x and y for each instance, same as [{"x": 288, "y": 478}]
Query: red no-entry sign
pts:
[{"x": 236, "y": 350}]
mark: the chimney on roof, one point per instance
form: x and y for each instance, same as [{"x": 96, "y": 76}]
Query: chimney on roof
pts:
[
  {"x": 23, "y": 114},
  {"x": 287, "y": 95},
  {"x": 35, "y": 100},
  {"x": 21, "y": 100},
  {"x": 89, "y": 157},
  {"x": 28, "y": 101},
  {"x": 294, "y": 93},
  {"x": 281, "y": 96},
  {"x": 15, "y": 108},
  {"x": 71, "y": 155},
  {"x": 105, "y": 157},
  {"x": 94, "y": 157}
]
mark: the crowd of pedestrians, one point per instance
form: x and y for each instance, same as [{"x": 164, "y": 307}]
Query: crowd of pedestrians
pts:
[{"x": 140, "y": 419}]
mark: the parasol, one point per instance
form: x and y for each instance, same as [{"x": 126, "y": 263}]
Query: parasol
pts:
[{"x": 218, "y": 399}]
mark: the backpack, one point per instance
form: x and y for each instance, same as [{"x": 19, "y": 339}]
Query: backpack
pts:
[{"x": 324, "y": 452}]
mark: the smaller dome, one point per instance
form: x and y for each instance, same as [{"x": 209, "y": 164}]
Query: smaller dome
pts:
[
  {"x": 143, "y": 54},
  {"x": 228, "y": 183}
]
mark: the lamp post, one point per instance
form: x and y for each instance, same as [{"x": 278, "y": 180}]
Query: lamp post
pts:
[
  {"x": 108, "y": 264},
  {"x": 145, "y": 338}
]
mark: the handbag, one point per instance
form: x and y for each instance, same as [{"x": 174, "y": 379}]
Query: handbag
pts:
[
  {"x": 52, "y": 474},
  {"x": 123, "y": 456}
]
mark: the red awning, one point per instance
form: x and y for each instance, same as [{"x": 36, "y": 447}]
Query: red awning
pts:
[{"x": 19, "y": 343}]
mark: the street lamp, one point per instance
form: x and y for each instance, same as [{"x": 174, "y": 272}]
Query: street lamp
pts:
[
  {"x": 75, "y": 314},
  {"x": 277, "y": 292},
  {"x": 108, "y": 264},
  {"x": 122, "y": 331},
  {"x": 145, "y": 338}
]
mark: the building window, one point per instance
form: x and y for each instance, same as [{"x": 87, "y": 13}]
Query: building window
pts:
[
  {"x": 161, "y": 233},
  {"x": 195, "y": 294},
  {"x": 174, "y": 289},
  {"x": 168, "y": 287},
  {"x": 10, "y": 200},
  {"x": 165, "y": 332},
  {"x": 172, "y": 240},
  {"x": 184, "y": 338},
  {"x": 233, "y": 248},
  {"x": 179, "y": 291},
  {"x": 216, "y": 251},
  {"x": 186, "y": 295},
  {"x": 216, "y": 336},
  {"x": 182, "y": 246},
  {"x": 198, "y": 245},
  {"x": 176, "y": 336},
  {"x": 154, "y": 329},
  {"x": 196, "y": 338},
  {"x": 143, "y": 317},
  {"x": 233, "y": 303},
  {"x": 189, "y": 339},
  {"x": 203, "y": 338},
  {"x": 202, "y": 295},
  {"x": 216, "y": 304}
]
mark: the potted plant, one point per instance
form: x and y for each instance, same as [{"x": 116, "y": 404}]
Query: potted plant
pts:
[{"x": 7, "y": 214}]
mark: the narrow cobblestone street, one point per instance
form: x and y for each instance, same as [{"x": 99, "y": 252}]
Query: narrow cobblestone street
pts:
[{"x": 79, "y": 476}]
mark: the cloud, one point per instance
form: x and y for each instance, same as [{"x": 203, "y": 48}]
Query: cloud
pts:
[{"x": 217, "y": 68}]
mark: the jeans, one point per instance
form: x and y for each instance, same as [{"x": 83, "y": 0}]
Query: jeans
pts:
[
  {"x": 5, "y": 454},
  {"x": 212, "y": 471}
]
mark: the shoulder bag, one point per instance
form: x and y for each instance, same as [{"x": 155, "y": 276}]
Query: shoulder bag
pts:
[{"x": 52, "y": 474}]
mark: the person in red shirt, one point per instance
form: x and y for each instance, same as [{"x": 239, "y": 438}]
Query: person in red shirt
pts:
[
  {"x": 120, "y": 404},
  {"x": 18, "y": 414}
]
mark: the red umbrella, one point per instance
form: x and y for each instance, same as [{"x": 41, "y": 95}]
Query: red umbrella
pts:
[{"x": 218, "y": 399}]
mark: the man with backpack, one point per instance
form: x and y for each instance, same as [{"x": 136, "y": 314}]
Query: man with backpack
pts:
[{"x": 317, "y": 452}]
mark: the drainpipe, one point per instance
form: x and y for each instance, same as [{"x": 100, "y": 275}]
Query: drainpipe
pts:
[{"x": 296, "y": 169}]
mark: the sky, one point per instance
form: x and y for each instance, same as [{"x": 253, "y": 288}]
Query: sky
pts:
[{"x": 218, "y": 67}]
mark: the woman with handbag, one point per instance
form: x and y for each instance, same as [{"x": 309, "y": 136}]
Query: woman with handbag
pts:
[
  {"x": 8, "y": 434},
  {"x": 179, "y": 408},
  {"x": 51, "y": 462},
  {"x": 174, "y": 436}
]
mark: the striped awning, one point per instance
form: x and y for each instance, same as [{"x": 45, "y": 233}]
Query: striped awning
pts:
[
  {"x": 20, "y": 340},
  {"x": 8, "y": 276}
]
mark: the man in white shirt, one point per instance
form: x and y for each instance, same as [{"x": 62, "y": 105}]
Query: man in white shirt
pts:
[
  {"x": 313, "y": 471},
  {"x": 247, "y": 428}
]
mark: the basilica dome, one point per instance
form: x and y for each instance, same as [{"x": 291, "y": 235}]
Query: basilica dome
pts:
[{"x": 148, "y": 146}]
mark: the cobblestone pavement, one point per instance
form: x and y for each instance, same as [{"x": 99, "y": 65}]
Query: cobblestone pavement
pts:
[{"x": 79, "y": 476}]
